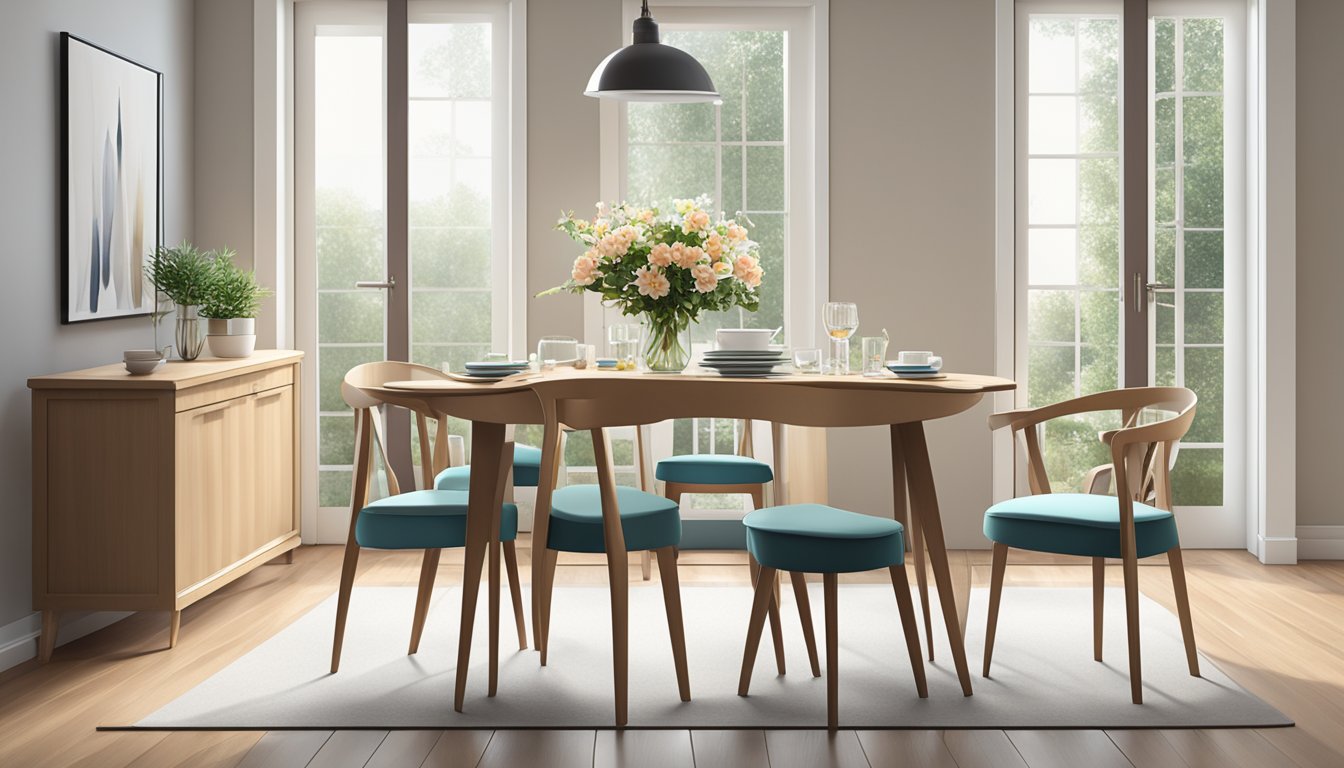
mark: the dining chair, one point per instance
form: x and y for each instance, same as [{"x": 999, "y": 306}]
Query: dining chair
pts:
[
  {"x": 1134, "y": 524},
  {"x": 733, "y": 473},
  {"x": 429, "y": 519},
  {"x": 814, "y": 538},
  {"x": 611, "y": 520}
]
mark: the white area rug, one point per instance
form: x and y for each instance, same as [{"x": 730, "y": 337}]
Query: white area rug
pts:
[{"x": 1044, "y": 675}]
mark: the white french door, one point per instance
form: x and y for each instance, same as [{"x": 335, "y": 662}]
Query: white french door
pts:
[
  {"x": 407, "y": 189},
  {"x": 1074, "y": 290}
]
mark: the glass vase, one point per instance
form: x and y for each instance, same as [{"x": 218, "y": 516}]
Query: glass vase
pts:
[
  {"x": 188, "y": 337},
  {"x": 667, "y": 344}
]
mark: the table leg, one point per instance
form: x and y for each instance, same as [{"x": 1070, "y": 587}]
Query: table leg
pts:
[
  {"x": 550, "y": 468},
  {"x": 924, "y": 500},
  {"x": 496, "y": 512},
  {"x": 487, "y": 445},
  {"x": 618, "y": 574},
  {"x": 901, "y": 512}
]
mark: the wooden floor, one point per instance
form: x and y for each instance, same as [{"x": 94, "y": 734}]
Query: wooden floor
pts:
[{"x": 1279, "y": 631}]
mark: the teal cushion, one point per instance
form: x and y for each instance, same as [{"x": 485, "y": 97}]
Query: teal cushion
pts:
[
  {"x": 647, "y": 521},
  {"x": 713, "y": 469},
  {"x": 526, "y": 471},
  {"x": 819, "y": 539},
  {"x": 424, "y": 520},
  {"x": 1084, "y": 524}
]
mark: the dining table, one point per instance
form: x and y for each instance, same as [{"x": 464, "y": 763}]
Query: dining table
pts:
[{"x": 594, "y": 399}]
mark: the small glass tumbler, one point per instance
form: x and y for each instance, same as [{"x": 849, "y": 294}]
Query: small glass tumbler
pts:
[
  {"x": 874, "y": 355},
  {"x": 807, "y": 360},
  {"x": 623, "y": 344}
]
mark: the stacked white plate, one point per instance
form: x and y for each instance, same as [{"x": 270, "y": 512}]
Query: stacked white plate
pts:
[
  {"x": 914, "y": 371},
  {"x": 493, "y": 369},
  {"x": 745, "y": 364}
]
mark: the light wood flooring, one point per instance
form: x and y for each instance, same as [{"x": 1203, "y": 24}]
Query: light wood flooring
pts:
[{"x": 1279, "y": 631}]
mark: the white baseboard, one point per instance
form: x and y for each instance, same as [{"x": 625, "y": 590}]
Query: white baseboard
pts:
[
  {"x": 1277, "y": 550},
  {"x": 1320, "y": 542},
  {"x": 18, "y": 639}
]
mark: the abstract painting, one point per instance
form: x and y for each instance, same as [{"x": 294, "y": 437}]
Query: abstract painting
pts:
[{"x": 111, "y": 121}]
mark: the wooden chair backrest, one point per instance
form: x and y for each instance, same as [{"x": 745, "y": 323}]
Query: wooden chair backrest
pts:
[
  {"x": 1141, "y": 453},
  {"x": 369, "y": 437}
]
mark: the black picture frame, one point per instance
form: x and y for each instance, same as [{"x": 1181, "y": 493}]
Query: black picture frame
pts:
[{"x": 92, "y": 181}]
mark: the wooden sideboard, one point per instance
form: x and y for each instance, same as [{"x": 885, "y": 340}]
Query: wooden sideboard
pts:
[{"x": 151, "y": 492}]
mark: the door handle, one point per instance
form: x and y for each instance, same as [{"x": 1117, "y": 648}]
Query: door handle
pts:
[
  {"x": 390, "y": 282},
  {"x": 1147, "y": 291},
  {"x": 1153, "y": 288}
]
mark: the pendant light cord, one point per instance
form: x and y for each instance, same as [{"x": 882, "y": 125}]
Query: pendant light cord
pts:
[{"x": 644, "y": 12}]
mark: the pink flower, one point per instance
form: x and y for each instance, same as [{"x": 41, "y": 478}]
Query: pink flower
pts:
[
  {"x": 687, "y": 256},
  {"x": 661, "y": 255},
  {"x": 705, "y": 278},
  {"x": 694, "y": 221},
  {"x": 754, "y": 276},
  {"x": 585, "y": 271},
  {"x": 736, "y": 232},
  {"x": 652, "y": 282},
  {"x": 742, "y": 265},
  {"x": 714, "y": 245},
  {"x": 723, "y": 267},
  {"x": 613, "y": 246},
  {"x": 627, "y": 234}
]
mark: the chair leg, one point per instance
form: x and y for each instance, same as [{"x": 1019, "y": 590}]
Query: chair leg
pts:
[
  {"x": 805, "y": 615},
  {"x": 542, "y": 631},
  {"x": 619, "y": 577},
  {"x": 429, "y": 568},
  {"x": 343, "y": 598},
  {"x": 832, "y": 652},
  {"x": 667, "y": 574},
  {"x": 646, "y": 565},
  {"x": 1183, "y": 609},
  {"x": 922, "y": 579},
  {"x": 1132, "y": 621},
  {"x": 901, "y": 585},
  {"x": 755, "y": 626},
  {"x": 776, "y": 628},
  {"x": 516, "y": 591},
  {"x": 995, "y": 593},
  {"x": 1098, "y": 603}
]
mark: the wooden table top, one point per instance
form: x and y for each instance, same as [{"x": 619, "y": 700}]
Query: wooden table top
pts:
[{"x": 175, "y": 374}]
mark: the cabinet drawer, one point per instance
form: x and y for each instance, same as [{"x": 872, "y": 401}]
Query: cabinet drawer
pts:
[{"x": 238, "y": 386}]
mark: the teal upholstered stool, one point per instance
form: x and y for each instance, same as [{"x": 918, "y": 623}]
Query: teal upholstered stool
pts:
[
  {"x": 714, "y": 469},
  {"x": 648, "y": 521},
  {"x": 815, "y": 538},
  {"x": 420, "y": 519},
  {"x": 526, "y": 471},
  {"x": 1133, "y": 525}
]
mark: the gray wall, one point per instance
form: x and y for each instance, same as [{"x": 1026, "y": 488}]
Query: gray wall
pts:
[
  {"x": 1320, "y": 261},
  {"x": 158, "y": 34},
  {"x": 223, "y": 116}
]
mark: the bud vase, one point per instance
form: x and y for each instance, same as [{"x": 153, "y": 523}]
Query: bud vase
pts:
[
  {"x": 667, "y": 344},
  {"x": 188, "y": 337}
]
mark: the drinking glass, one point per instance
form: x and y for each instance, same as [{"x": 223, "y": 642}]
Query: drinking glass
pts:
[
  {"x": 623, "y": 344},
  {"x": 841, "y": 319},
  {"x": 807, "y": 360},
  {"x": 874, "y": 355},
  {"x": 557, "y": 349}
]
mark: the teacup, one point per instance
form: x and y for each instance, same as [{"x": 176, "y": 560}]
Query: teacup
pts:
[{"x": 919, "y": 358}]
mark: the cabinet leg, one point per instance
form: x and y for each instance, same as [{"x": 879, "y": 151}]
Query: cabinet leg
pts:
[
  {"x": 174, "y": 625},
  {"x": 285, "y": 559},
  {"x": 47, "y": 642}
]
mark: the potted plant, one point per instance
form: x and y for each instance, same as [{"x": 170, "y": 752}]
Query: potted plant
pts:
[
  {"x": 231, "y": 308},
  {"x": 185, "y": 276}
]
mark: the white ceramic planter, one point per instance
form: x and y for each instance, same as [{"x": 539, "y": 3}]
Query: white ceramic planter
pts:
[{"x": 234, "y": 337}]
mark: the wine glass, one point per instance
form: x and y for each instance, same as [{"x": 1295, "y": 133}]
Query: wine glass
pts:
[{"x": 841, "y": 319}]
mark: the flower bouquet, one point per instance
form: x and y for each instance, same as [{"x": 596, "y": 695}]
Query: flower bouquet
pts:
[{"x": 666, "y": 268}]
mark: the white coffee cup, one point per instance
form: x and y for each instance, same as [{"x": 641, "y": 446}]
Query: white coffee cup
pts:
[{"x": 919, "y": 358}]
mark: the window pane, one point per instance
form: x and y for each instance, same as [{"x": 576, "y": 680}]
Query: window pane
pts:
[
  {"x": 1050, "y": 373},
  {"x": 1164, "y": 132},
  {"x": 1052, "y": 256},
  {"x": 1053, "y": 61},
  {"x": 1050, "y": 316},
  {"x": 1164, "y": 367},
  {"x": 765, "y": 178},
  {"x": 1099, "y": 123},
  {"x": 763, "y": 54},
  {"x": 1099, "y": 260},
  {"x": 1098, "y": 64},
  {"x": 1164, "y": 55},
  {"x": 1204, "y": 374},
  {"x": 1164, "y": 255},
  {"x": 1203, "y": 62},
  {"x": 658, "y": 173},
  {"x": 1099, "y": 191},
  {"x": 338, "y": 439},
  {"x": 1202, "y": 122},
  {"x": 1204, "y": 317},
  {"x": 450, "y": 60},
  {"x": 649, "y": 122},
  {"x": 1203, "y": 260},
  {"x": 1052, "y": 191},
  {"x": 1197, "y": 479},
  {"x": 350, "y": 316},
  {"x": 448, "y": 257},
  {"x": 333, "y": 362},
  {"x": 1052, "y": 125},
  {"x": 733, "y": 173},
  {"x": 461, "y": 316}
]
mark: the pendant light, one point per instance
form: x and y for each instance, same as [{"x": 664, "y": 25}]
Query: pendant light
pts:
[{"x": 647, "y": 70}]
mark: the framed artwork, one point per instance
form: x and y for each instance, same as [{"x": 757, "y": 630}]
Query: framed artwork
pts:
[{"x": 111, "y": 181}]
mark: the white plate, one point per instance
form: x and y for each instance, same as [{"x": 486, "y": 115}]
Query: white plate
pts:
[{"x": 930, "y": 375}]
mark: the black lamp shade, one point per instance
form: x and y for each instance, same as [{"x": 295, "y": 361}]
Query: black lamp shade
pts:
[{"x": 647, "y": 70}]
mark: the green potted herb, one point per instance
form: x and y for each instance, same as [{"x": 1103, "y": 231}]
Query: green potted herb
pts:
[
  {"x": 185, "y": 276},
  {"x": 231, "y": 306}
]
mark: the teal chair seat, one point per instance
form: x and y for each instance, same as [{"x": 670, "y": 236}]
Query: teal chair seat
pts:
[
  {"x": 1082, "y": 524},
  {"x": 424, "y": 520},
  {"x": 815, "y": 538},
  {"x": 713, "y": 469},
  {"x": 647, "y": 521},
  {"x": 526, "y": 471}
]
